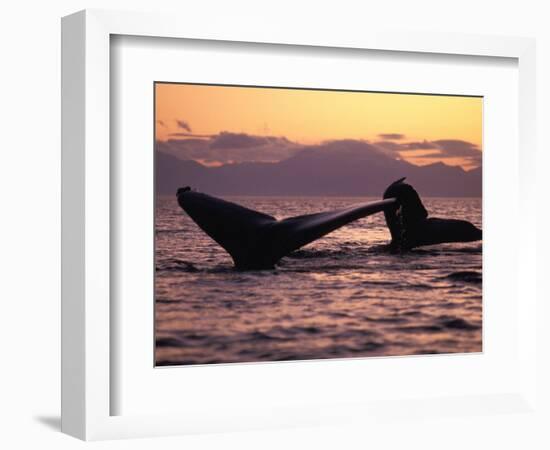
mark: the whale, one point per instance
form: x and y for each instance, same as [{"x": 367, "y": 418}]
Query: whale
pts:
[
  {"x": 410, "y": 226},
  {"x": 257, "y": 241}
]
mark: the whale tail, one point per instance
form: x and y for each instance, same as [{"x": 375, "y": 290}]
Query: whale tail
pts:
[
  {"x": 256, "y": 240},
  {"x": 408, "y": 212},
  {"x": 410, "y": 226},
  {"x": 239, "y": 230}
]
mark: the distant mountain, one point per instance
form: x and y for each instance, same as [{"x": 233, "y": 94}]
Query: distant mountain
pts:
[{"x": 349, "y": 168}]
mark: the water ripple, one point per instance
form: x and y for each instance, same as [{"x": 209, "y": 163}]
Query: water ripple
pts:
[{"x": 342, "y": 296}]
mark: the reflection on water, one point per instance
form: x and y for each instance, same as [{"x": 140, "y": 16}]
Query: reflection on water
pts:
[{"x": 341, "y": 296}]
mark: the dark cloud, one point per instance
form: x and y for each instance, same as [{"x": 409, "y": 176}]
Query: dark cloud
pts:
[
  {"x": 238, "y": 140},
  {"x": 454, "y": 148},
  {"x": 406, "y": 146},
  {"x": 184, "y": 125},
  {"x": 421, "y": 145},
  {"x": 457, "y": 148},
  {"x": 192, "y": 135},
  {"x": 439, "y": 149},
  {"x": 391, "y": 136},
  {"x": 389, "y": 145},
  {"x": 227, "y": 147}
]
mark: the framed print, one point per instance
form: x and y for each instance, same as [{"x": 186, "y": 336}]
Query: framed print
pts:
[{"x": 267, "y": 229}]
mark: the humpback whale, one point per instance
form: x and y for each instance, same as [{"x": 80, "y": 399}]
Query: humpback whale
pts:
[
  {"x": 411, "y": 227},
  {"x": 255, "y": 240}
]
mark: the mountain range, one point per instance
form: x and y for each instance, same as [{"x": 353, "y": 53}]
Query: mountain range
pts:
[{"x": 356, "y": 169}]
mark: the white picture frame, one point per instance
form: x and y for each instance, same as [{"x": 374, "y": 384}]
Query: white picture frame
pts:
[{"x": 87, "y": 322}]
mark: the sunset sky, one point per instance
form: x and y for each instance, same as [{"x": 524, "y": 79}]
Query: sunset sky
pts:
[{"x": 216, "y": 124}]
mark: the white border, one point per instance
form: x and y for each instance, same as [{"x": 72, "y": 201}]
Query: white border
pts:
[
  {"x": 85, "y": 237},
  {"x": 142, "y": 389}
]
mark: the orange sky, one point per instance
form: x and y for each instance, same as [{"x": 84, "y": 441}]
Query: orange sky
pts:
[{"x": 311, "y": 117}]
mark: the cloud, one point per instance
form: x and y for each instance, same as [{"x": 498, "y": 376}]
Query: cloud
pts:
[
  {"x": 242, "y": 140},
  {"x": 237, "y": 140},
  {"x": 392, "y": 147},
  {"x": 438, "y": 149},
  {"x": 227, "y": 147},
  {"x": 457, "y": 148},
  {"x": 391, "y": 136},
  {"x": 421, "y": 145},
  {"x": 184, "y": 125},
  {"x": 407, "y": 146},
  {"x": 454, "y": 148},
  {"x": 192, "y": 135}
]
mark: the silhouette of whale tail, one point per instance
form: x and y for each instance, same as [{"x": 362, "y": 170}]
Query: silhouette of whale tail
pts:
[
  {"x": 256, "y": 240},
  {"x": 410, "y": 226}
]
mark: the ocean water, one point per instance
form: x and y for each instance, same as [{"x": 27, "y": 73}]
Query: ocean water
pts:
[{"x": 341, "y": 296}]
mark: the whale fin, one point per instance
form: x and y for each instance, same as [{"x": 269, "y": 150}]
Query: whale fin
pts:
[{"x": 256, "y": 240}]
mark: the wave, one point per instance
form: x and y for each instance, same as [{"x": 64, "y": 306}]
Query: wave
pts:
[
  {"x": 169, "y": 230},
  {"x": 179, "y": 265},
  {"x": 457, "y": 323},
  {"x": 467, "y": 276},
  {"x": 343, "y": 251}
]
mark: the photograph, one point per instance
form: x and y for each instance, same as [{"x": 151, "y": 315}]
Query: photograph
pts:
[{"x": 296, "y": 224}]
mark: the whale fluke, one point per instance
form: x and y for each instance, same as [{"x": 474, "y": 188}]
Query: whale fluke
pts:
[
  {"x": 411, "y": 227},
  {"x": 256, "y": 240}
]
